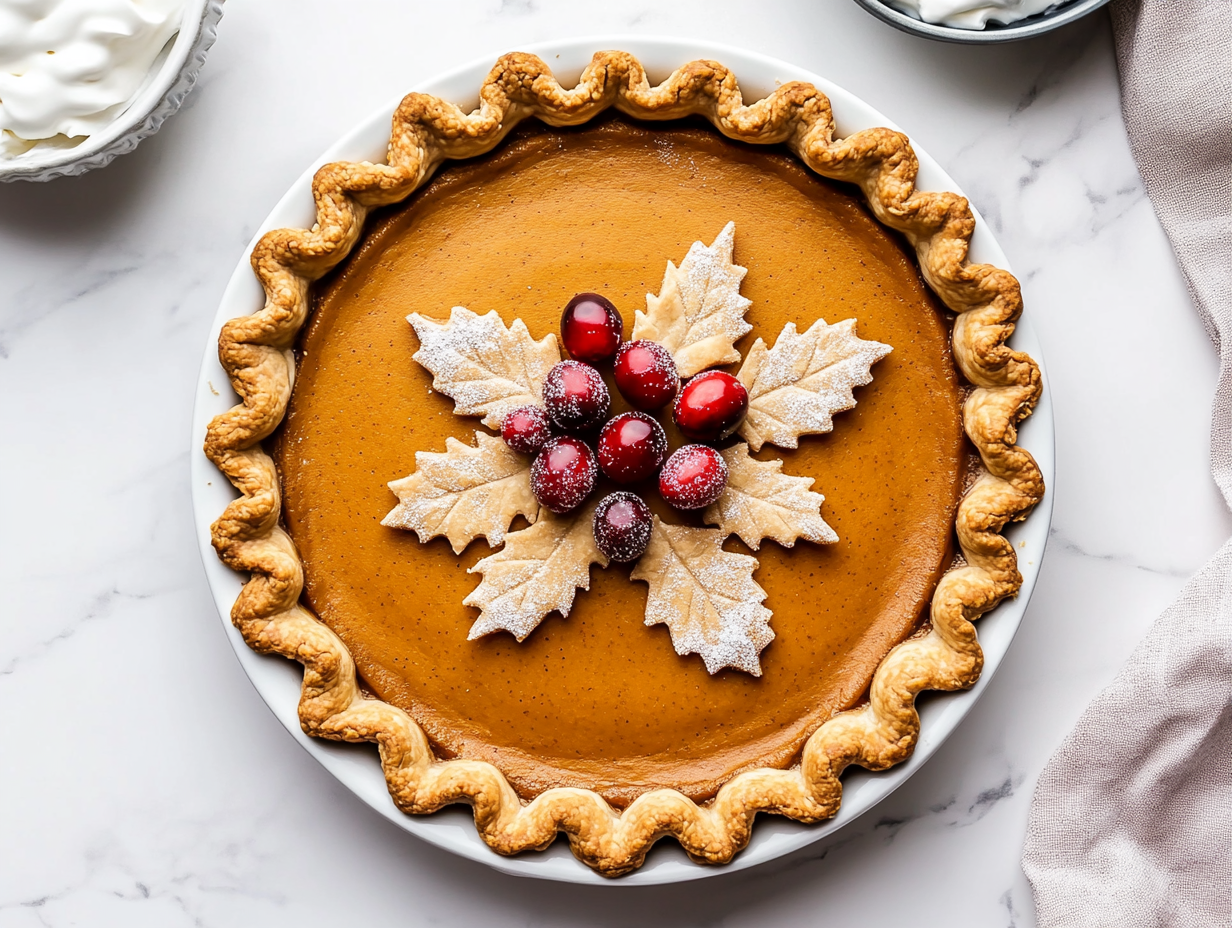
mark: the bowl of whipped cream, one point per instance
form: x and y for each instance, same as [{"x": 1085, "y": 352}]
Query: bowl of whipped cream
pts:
[
  {"x": 82, "y": 81},
  {"x": 978, "y": 22}
]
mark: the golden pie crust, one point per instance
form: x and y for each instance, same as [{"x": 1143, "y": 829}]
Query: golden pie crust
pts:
[{"x": 255, "y": 352}]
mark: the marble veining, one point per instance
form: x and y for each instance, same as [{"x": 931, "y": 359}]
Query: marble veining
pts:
[{"x": 144, "y": 782}]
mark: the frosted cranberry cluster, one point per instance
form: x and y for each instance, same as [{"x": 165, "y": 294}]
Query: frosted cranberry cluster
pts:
[{"x": 573, "y": 438}]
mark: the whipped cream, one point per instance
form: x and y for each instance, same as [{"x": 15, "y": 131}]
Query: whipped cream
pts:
[
  {"x": 971, "y": 14},
  {"x": 70, "y": 67}
]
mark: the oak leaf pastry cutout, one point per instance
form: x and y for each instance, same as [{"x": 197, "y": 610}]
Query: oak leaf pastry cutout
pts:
[
  {"x": 484, "y": 367},
  {"x": 706, "y": 596},
  {"x": 537, "y": 572},
  {"x": 464, "y": 492},
  {"x": 699, "y": 313},
  {"x": 796, "y": 387},
  {"x": 760, "y": 501}
]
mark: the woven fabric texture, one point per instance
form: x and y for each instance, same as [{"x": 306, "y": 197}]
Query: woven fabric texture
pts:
[{"x": 1131, "y": 824}]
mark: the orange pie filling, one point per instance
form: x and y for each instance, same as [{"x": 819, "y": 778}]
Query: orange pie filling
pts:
[{"x": 597, "y": 699}]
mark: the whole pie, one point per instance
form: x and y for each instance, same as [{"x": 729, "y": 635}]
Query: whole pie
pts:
[{"x": 462, "y": 604}]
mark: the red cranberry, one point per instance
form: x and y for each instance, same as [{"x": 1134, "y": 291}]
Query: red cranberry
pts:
[
  {"x": 631, "y": 447},
  {"x": 622, "y": 526},
  {"x": 646, "y": 375},
  {"x": 576, "y": 396},
  {"x": 526, "y": 429},
  {"x": 693, "y": 477},
  {"x": 563, "y": 474},
  {"x": 590, "y": 327},
  {"x": 710, "y": 406}
]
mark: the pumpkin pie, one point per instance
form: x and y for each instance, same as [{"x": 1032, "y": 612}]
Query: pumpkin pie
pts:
[{"x": 752, "y": 644}]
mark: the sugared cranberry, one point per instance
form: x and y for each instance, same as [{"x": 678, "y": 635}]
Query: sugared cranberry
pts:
[
  {"x": 591, "y": 327},
  {"x": 563, "y": 474},
  {"x": 693, "y": 477},
  {"x": 526, "y": 429},
  {"x": 622, "y": 526},
  {"x": 631, "y": 447},
  {"x": 576, "y": 396},
  {"x": 710, "y": 406},
  {"x": 646, "y": 375}
]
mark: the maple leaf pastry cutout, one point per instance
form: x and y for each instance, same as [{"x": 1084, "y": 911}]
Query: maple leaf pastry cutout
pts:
[
  {"x": 760, "y": 501},
  {"x": 464, "y": 493},
  {"x": 796, "y": 387},
  {"x": 484, "y": 367},
  {"x": 699, "y": 313},
  {"x": 706, "y": 596},
  {"x": 537, "y": 572}
]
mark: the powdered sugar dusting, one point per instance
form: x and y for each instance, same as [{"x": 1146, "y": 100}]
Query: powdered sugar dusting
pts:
[
  {"x": 564, "y": 473},
  {"x": 706, "y": 596},
  {"x": 760, "y": 501},
  {"x": 622, "y": 525},
  {"x": 464, "y": 492},
  {"x": 484, "y": 367},
  {"x": 796, "y": 387},
  {"x": 699, "y": 312},
  {"x": 710, "y": 287},
  {"x": 538, "y": 572},
  {"x": 693, "y": 477},
  {"x": 571, "y": 409}
]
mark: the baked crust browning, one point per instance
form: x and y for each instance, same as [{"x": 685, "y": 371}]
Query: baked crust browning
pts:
[{"x": 255, "y": 352}]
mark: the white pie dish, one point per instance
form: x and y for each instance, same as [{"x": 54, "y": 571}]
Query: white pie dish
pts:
[
  {"x": 171, "y": 78},
  {"x": 278, "y": 680}
]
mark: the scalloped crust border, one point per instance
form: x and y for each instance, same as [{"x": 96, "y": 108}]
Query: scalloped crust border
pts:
[{"x": 255, "y": 352}]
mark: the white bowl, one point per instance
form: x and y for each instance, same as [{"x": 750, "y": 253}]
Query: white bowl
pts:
[
  {"x": 278, "y": 680},
  {"x": 173, "y": 75}
]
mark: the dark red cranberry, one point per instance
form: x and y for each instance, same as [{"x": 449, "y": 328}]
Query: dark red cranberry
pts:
[
  {"x": 646, "y": 375},
  {"x": 693, "y": 477},
  {"x": 576, "y": 396},
  {"x": 631, "y": 447},
  {"x": 526, "y": 429},
  {"x": 563, "y": 474},
  {"x": 591, "y": 327},
  {"x": 622, "y": 526},
  {"x": 710, "y": 406}
]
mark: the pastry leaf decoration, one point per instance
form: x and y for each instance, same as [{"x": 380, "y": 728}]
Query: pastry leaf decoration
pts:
[
  {"x": 465, "y": 492},
  {"x": 760, "y": 501},
  {"x": 484, "y": 367},
  {"x": 537, "y": 572},
  {"x": 699, "y": 313},
  {"x": 796, "y": 387},
  {"x": 706, "y": 597}
]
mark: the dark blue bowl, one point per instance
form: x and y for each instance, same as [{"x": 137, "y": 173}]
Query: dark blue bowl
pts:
[{"x": 1065, "y": 11}]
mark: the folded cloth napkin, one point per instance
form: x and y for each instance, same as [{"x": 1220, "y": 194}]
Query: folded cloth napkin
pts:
[{"x": 1131, "y": 824}]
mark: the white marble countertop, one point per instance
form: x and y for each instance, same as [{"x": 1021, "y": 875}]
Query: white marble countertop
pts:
[{"x": 143, "y": 781}]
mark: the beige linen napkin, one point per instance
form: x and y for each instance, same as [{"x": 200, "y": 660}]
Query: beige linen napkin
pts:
[{"x": 1131, "y": 824}]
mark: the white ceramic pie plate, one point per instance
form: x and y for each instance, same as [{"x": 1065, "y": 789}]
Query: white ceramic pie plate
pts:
[{"x": 278, "y": 680}]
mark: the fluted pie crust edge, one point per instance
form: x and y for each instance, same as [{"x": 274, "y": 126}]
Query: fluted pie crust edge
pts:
[{"x": 255, "y": 352}]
